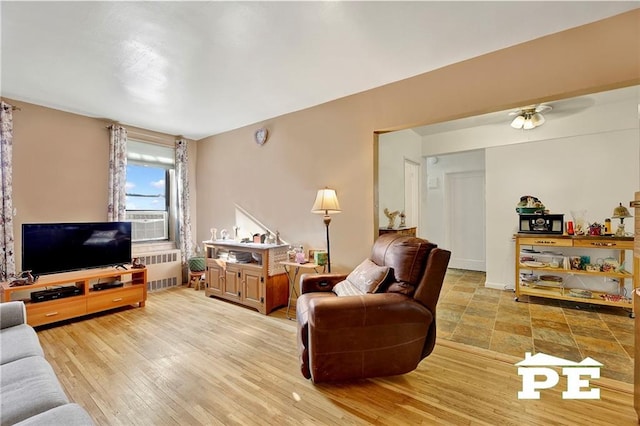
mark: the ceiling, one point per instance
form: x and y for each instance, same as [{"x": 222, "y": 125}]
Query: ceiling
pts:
[
  {"x": 201, "y": 68},
  {"x": 559, "y": 109}
]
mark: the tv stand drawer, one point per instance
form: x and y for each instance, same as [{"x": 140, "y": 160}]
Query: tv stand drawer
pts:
[
  {"x": 108, "y": 299},
  {"x": 53, "y": 311}
]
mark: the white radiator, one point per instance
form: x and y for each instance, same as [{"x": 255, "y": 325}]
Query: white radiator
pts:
[{"x": 164, "y": 268}]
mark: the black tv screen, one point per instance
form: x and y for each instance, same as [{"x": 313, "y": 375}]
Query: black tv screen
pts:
[{"x": 48, "y": 248}]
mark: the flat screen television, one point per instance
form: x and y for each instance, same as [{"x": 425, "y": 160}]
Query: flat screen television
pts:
[{"x": 48, "y": 248}]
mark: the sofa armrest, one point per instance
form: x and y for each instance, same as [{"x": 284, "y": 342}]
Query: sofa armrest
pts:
[
  {"x": 387, "y": 309},
  {"x": 310, "y": 283},
  {"x": 12, "y": 314}
]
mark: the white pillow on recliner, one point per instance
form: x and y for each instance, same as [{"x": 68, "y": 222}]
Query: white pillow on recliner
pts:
[{"x": 366, "y": 278}]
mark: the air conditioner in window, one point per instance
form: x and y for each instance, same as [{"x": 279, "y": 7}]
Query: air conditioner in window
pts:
[{"x": 148, "y": 225}]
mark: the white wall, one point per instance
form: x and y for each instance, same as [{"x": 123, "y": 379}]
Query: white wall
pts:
[
  {"x": 393, "y": 149},
  {"x": 592, "y": 172},
  {"x": 585, "y": 160},
  {"x": 433, "y": 206}
]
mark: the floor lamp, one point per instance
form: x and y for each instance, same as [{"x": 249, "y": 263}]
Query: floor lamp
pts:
[{"x": 326, "y": 203}]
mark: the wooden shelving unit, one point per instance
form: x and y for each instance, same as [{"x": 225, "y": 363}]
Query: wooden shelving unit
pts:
[
  {"x": 617, "y": 244},
  {"x": 88, "y": 301}
]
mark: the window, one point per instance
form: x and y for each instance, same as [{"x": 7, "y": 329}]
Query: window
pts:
[{"x": 149, "y": 190}]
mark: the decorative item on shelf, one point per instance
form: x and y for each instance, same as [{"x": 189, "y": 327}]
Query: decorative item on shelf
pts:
[
  {"x": 529, "y": 204},
  {"x": 22, "y": 278},
  {"x": 615, "y": 298},
  {"x": 579, "y": 222},
  {"x": 578, "y": 292},
  {"x": 320, "y": 257},
  {"x": 610, "y": 264},
  {"x": 326, "y": 203},
  {"x": 403, "y": 218},
  {"x": 595, "y": 229},
  {"x": 224, "y": 234},
  {"x": 607, "y": 226},
  {"x": 569, "y": 229},
  {"x": 136, "y": 263},
  {"x": 392, "y": 217},
  {"x": 550, "y": 281},
  {"x": 214, "y": 234},
  {"x": 270, "y": 239},
  {"x": 593, "y": 268},
  {"x": 542, "y": 223},
  {"x": 621, "y": 213}
]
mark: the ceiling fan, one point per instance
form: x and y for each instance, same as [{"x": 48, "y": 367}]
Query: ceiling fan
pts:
[{"x": 529, "y": 117}]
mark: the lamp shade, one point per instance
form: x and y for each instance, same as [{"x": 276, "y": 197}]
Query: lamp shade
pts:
[
  {"x": 518, "y": 122},
  {"x": 326, "y": 202},
  {"x": 620, "y": 212}
]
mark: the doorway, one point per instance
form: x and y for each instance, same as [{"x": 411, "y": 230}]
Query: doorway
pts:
[
  {"x": 465, "y": 219},
  {"x": 411, "y": 193}
]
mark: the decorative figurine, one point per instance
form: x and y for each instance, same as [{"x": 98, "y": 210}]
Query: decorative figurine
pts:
[
  {"x": 391, "y": 216},
  {"x": 214, "y": 234}
]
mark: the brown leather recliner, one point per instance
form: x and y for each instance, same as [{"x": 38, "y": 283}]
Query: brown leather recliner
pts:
[{"x": 373, "y": 334}]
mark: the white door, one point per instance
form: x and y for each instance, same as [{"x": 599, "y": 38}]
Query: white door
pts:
[
  {"x": 465, "y": 220},
  {"x": 411, "y": 193}
]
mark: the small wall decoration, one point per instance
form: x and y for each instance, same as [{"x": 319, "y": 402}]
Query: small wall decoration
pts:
[{"x": 261, "y": 135}]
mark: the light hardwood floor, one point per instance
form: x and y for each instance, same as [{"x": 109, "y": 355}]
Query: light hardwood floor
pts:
[{"x": 185, "y": 359}]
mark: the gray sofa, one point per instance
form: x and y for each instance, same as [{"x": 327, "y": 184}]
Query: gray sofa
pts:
[{"x": 30, "y": 393}]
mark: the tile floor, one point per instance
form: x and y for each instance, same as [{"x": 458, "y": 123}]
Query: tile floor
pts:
[{"x": 472, "y": 314}]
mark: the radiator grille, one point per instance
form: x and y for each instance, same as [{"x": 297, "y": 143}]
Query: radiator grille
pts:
[
  {"x": 164, "y": 268},
  {"x": 153, "y": 259},
  {"x": 162, "y": 283}
]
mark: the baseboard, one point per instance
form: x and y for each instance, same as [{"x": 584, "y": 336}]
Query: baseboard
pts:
[{"x": 498, "y": 286}]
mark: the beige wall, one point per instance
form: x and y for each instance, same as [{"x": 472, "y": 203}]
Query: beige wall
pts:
[
  {"x": 60, "y": 166},
  {"x": 333, "y": 144}
]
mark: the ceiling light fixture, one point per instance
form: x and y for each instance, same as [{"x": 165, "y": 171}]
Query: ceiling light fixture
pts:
[{"x": 529, "y": 117}]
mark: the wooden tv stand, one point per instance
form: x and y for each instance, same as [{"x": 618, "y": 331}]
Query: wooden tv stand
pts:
[{"x": 88, "y": 301}]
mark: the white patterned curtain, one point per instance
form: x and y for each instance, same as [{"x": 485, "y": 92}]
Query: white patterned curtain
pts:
[
  {"x": 184, "y": 212},
  {"x": 117, "y": 174},
  {"x": 7, "y": 253}
]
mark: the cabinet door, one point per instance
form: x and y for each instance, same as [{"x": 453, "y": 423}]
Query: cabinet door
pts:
[
  {"x": 215, "y": 278},
  {"x": 253, "y": 288},
  {"x": 232, "y": 282}
]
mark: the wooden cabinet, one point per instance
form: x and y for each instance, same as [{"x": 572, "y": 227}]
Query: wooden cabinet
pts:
[
  {"x": 543, "y": 268},
  {"x": 257, "y": 281},
  {"x": 87, "y": 301},
  {"x": 401, "y": 231},
  {"x": 214, "y": 282}
]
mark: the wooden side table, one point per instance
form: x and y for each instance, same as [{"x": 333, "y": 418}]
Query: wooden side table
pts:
[
  {"x": 402, "y": 231},
  {"x": 293, "y": 270}
]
